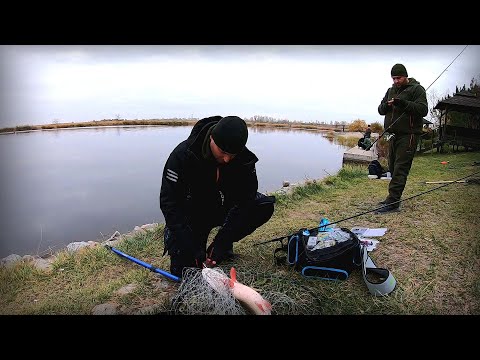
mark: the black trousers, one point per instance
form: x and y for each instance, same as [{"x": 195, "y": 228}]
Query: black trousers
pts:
[{"x": 236, "y": 223}]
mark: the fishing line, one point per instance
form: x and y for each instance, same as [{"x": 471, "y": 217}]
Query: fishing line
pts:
[
  {"x": 398, "y": 118},
  {"x": 401, "y": 200},
  {"x": 372, "y": 210}
]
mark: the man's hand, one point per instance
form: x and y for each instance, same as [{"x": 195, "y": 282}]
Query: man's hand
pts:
[
  {"x": 399, "y": 102},
  {"x": 209, "y": 263},
  {"x": 202, "y": 261},
  {"x": 200, "y": 258}
]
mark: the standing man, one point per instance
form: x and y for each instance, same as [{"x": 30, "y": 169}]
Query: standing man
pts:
[
  {"x": 210, "y": 180},
  {"x": 404, "y": 106}
]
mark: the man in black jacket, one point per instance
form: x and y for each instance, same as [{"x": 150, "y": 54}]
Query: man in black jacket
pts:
[
  {"x": 210, "y": 180},
  {"x": 404, "y": 106}
]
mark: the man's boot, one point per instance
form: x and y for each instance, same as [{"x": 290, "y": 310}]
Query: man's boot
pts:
[{"x": 388, "y": 208}]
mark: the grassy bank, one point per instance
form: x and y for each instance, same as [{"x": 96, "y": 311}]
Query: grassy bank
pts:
[{"x": 432, "y": 247}]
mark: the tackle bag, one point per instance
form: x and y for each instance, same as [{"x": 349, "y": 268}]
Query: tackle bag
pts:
[
  {"x": 375, "y": 168},
  {"x": 333, "y": 255},
  {"x": 330, "y": 255}
]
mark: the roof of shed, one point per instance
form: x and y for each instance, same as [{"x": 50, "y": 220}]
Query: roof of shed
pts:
[{"x": 463, "y": 101}]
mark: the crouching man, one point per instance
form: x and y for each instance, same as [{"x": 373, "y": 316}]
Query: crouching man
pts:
[{"x": 210, "y": 180}]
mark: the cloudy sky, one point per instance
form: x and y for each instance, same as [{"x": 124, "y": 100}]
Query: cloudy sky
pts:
[{"x": 69, "y": 83}]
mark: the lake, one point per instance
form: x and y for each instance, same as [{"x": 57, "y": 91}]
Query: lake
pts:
[{"x": 81, "y": 184}]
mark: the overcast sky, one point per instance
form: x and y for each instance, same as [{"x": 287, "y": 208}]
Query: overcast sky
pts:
[{"x": 71, "y": 83}]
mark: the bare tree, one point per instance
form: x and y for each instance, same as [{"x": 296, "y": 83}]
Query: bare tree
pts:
[{"x": 433, "y": 114}]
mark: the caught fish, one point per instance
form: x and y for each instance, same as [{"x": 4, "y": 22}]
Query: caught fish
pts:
[{"x": 247, "y": 296}]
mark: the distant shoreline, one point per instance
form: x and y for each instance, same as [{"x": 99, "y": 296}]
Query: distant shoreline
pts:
[
  {"x": 80, "y": 128},
  {"x": 170, "y": 122}
]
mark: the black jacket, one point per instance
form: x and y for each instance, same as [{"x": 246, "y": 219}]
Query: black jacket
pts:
[
  {"x": 190, "y": 190},
  {"x": 409, "y": 113}
]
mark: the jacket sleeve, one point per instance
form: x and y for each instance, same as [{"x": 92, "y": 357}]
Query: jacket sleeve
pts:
[
  {"x": 247, "y": 190},
  {"x": 173, "y": 191},
  {"x": 383, "y": 108},
  {"x": 418, "y": 106}
]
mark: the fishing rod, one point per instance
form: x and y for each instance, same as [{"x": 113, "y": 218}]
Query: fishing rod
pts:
[
  {"x": 369, "y": 211},
  {"x": 398, "y": 118},
  {"x": 144, "y": 264}
]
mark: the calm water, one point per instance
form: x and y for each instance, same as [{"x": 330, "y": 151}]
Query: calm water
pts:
[{"x": 62, "y": 186}]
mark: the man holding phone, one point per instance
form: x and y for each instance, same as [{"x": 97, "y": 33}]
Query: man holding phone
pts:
[{"x": 404, "y": 106}]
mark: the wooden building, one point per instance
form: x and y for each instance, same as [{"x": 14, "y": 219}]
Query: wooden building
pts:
[{"x": 463, "y": 102}]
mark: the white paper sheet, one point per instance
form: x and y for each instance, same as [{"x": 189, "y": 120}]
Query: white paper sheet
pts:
[
  {"x": 375, "y": 232},
  {"x": 369, "y": 232}
]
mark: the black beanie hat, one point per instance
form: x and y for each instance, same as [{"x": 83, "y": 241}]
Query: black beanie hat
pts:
[
  {"x": 230, "y": 134},
  {"x": 399, "y": 70}
]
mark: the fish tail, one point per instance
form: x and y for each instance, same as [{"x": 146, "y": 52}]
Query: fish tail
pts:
[{"x": 233, "y": 276}]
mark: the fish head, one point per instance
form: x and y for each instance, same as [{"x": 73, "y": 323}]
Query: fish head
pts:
[{"x": 217, "y": 280}]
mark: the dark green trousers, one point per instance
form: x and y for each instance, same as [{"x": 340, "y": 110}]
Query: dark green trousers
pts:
[{"x": 401, "y": 151}]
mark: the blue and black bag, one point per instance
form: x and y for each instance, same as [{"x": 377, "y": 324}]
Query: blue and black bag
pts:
[{"x": 335, "y": 262}]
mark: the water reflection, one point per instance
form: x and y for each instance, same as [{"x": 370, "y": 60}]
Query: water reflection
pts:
[{"x": 61, "y": 186}]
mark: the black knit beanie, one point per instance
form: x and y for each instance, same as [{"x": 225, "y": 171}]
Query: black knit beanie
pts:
[
  {"x": 230, "y": 134},
  {"x": 399, "y": 70}
]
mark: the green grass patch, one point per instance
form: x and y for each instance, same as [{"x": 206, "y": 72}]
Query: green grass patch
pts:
[{"x": 432, "y": 247}]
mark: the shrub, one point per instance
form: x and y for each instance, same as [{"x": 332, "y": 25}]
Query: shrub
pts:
[{"x": 357, "y": 125}]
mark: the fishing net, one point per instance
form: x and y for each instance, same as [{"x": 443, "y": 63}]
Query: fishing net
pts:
[
  {"x": 199, "y": 294},
  {"x": 196, "y": 295}
]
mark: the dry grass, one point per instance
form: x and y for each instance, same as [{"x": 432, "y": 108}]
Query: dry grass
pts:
[
  {"x": 288, "y": 125},
  {"x": 432, "y": 247}
]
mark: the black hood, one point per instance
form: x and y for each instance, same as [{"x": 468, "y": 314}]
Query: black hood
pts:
[
  {"x": 200, "y": 130},
  {"x": 197, "y": 135}
]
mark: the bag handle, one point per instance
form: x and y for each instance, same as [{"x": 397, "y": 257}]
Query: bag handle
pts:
[
  {"x": 379, "y": 281},
  {"x": 336, "y": 274}
]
